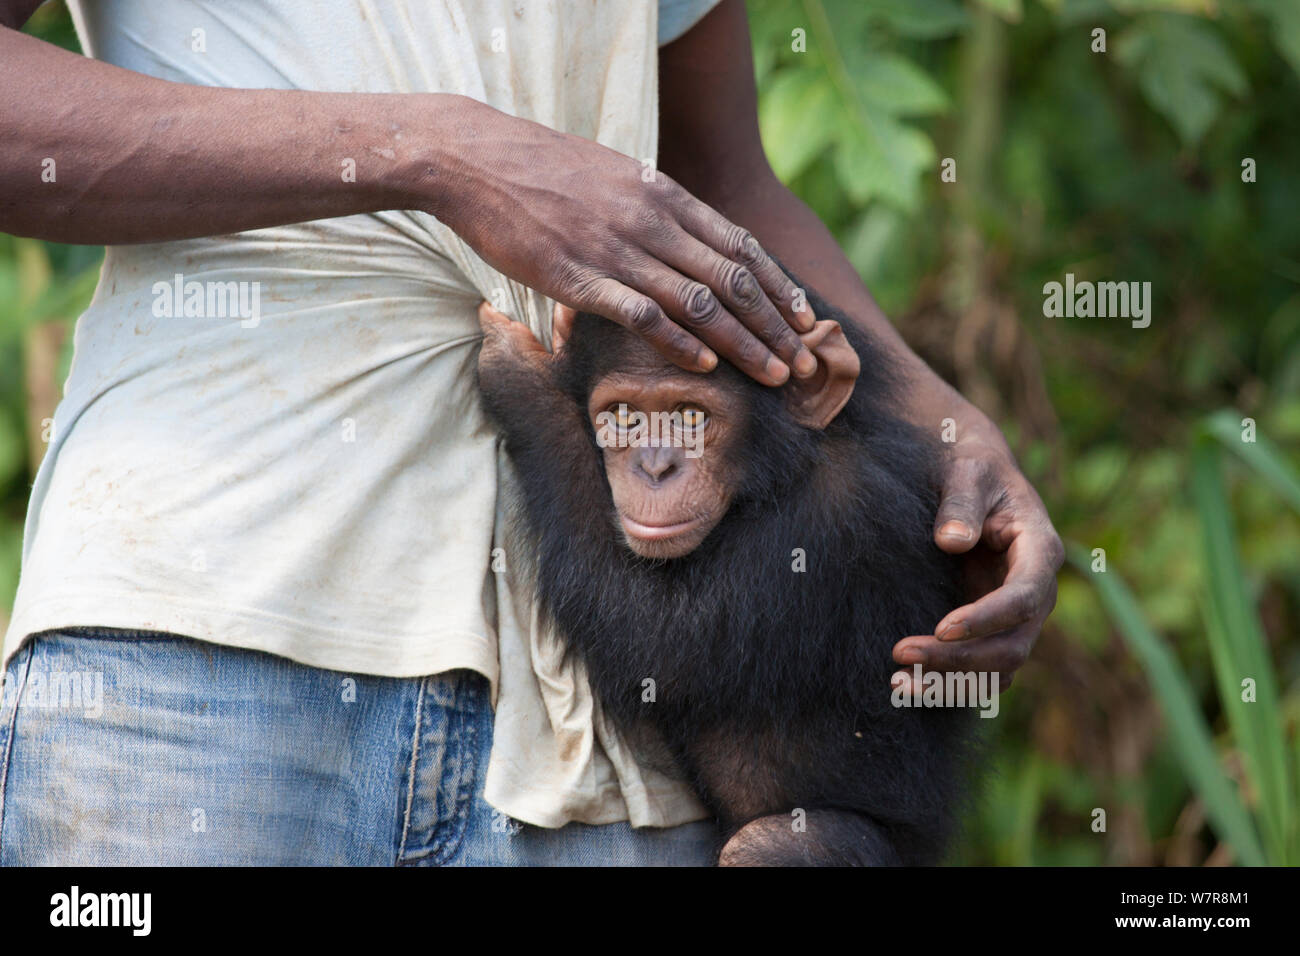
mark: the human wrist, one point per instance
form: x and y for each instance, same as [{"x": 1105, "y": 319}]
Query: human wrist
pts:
[{"x": 430, "y": 135}]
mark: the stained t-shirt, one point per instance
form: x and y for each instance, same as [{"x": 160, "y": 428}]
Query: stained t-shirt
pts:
[{"x": 304, "y": 468}]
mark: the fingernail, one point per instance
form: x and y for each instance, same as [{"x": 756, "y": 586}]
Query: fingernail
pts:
[
  {"x": 805, "y": 363},
  {"x": 910, "y": 655},
  {"x": 708, "y": 361},
  {"x": 777, "y": 370},
  {"x": 954, "y": 631},
  {"x": 956, "y": 530},
  {"x": 804, "y": 319}
]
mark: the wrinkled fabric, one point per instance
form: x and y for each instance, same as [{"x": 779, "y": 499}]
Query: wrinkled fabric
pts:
[{"x": 320, "y": 483}]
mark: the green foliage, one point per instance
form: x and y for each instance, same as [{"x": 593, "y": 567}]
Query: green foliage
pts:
[
  {"x": 1243, "y": 670},
  {"x": 831, "y": 91},
  {"x": 1183, "y": 66}
]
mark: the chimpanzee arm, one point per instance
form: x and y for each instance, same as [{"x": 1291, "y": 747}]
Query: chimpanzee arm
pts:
[{"x": 547, "y": 437}]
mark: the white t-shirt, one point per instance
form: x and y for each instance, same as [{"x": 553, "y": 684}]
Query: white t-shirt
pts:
[{"x": 308, "y": 472}]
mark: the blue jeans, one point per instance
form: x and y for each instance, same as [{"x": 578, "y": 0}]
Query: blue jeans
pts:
[{"x": 135, "y": 748}]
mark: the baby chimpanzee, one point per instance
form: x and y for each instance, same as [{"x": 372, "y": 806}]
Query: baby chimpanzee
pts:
[{"x": 755, "y": 553}]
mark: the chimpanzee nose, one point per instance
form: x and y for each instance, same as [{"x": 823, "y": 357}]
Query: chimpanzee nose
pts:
[{"x": 657, "y": 463}]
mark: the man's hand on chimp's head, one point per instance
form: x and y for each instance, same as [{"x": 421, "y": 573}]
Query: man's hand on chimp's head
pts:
[{"x": 990, "y": 514}]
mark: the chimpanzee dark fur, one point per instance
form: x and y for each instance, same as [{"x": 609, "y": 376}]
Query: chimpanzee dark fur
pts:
[{"x": 771, "y": 684}]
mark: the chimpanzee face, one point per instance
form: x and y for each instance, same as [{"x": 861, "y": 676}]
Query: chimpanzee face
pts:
[
  {"x": 674, "y": 442},
  {"x": 669, "y": 440}
]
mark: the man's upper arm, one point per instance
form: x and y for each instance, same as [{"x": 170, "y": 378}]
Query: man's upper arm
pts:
[{"x": 708, "y": 107}]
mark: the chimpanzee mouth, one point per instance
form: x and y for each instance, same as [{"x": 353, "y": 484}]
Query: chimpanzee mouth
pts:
[{"x": 657, "y": 532}]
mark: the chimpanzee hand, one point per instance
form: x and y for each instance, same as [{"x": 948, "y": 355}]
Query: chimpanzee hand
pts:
[
  {"x": 506, "y": 342},
  {"x": 578, "y": 222},
  {"x": 991, "y": 514}
]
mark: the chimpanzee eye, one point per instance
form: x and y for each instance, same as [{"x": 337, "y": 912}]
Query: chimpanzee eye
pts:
[
  {"x": 622, "y": 413},
  {"x": 693, "y": 417}
]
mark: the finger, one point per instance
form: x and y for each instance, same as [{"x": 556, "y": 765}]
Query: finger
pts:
[
  {"x": 740, "y": 292},
  {"x": 1027, "y": 593},
  {"x": 694, "y": 307},
  {"x": 489, "y": 319},
  {"x": 562, "y": 319},
  {"x": 517, "y": 334},
  {"x": 642, "y": 316},
  {"x": 1003, "y": 653},
  {"x": 735, "y": 243},
  {"x": 967, "y": 501}
]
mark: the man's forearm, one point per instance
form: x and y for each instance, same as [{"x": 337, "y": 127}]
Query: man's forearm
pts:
[{"x": 98, "y": 154}]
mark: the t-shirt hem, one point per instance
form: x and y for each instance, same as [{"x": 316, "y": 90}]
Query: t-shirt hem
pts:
[
  {"x": 353, "y": 652},
  {"x": 661, "y": 808}
]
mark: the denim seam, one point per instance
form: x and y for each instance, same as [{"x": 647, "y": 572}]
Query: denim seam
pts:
[
  {"x": 410, "y": 780},
  {"x": 9, "y": 740},
  {"x": 467, "y": 760}
]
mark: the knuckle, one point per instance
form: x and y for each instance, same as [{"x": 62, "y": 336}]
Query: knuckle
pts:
[
  {"x": 1049, "y": 595},
  {"x": 647, "y": 220},
  {"x": 699, "y": 304},
  {"x": 957, "y": 657},
  {"x": 640, "y": 313},
  {"x": 751, "y": 353},
  {"x": 987, "y": 475},
  {"x": 742, "y": 287},
  {"x": 582, "y": 287},
  {"x": 967, "y": 473},
  {"x": 743, "y": 247},
  {"x": 960, "y": 505},
  {"x": 1014, "y": 657},
  {"x": 1024, "y": 604},
  {"x": 664, "y": 186},
  {"x": 1055, "y": 554},
  {"x": 780, "y": 338}
]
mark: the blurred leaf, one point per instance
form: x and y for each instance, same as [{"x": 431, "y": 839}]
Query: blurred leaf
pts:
[
  {"x": 798, "y": 118},
  {"x": 34, "y": 272},
  {"x": 1240, "y": 651},
  {"x": 1189, "y": 732},
  {"x": 13, "y": 451},
  {"x": 1198, "y": 7},
  {"x": 1182, "y": 64},
  {"x": 1009, "y": 10},
  {"x": 897, "y": 86},
  {"x": 1286, "y": 31},
  {"x": 883, "y": 158},
  {"x": 1261, "y": 455},
  {"x": 1071, "y": 12},
  {"x": 923, "y": 19},
  {"x": 1285, "y": 17}
]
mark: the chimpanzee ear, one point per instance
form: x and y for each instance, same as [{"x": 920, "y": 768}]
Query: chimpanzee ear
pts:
[{"x": 814, "y": 402}]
